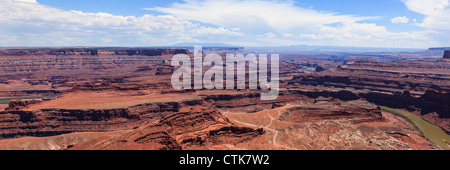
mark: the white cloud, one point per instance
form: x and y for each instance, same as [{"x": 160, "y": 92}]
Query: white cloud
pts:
[
  {"x": 437, "y": 12},
  {"x": 307, "y": 36},
  {"x": 268, "y": 18},
  {"x": 235, "y": 29},
  {"x": 35, "y": 24},
  {"x": 29, "y": 1},
  {"x": 215, "y": 31},
  {"x": 270, "y": 35},
  {"x": 288, "y": 35},
  {"x": 253, "y": 22},
  {"x": 437, "y": 18},
  {"x": 365, "y": 34},
  {"x": 249, "y": 14},
  {"x": 400, "y": 20}
]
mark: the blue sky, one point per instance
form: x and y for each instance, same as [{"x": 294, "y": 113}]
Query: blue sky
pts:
[
  {"x": 390, "y": 8},
  {"x": 367, "y": 23}
]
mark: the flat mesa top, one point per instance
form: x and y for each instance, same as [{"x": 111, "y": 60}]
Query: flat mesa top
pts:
[{"x": 104, "y": 100}]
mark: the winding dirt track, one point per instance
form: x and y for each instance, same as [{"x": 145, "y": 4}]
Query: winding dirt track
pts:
[{"x": 268, "y": 127}]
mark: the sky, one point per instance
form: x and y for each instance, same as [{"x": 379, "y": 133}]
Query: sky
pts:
[{"x": 133, "y": 23}]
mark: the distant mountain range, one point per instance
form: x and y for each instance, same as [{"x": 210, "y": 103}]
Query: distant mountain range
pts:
[
  {"x": 292, "y": 48},
  {"x": 204, "y": 45},
  {"x": 439, "y": 48},
  {"x": 332, "y": 49},
  {"x": 299, "y": 47}
]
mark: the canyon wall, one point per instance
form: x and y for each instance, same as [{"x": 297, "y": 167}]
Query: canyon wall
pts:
[
  {"x": 93, "y": 51},
  {"x": 50, "y": 122},
  {"x": 190, "y": 128}
]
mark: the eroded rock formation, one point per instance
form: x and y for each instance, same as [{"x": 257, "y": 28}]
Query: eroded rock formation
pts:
[
  {"x": 356, "y": 111},
  {"x": 20, "y": 104},
  {"x": 190, "y": 128}
]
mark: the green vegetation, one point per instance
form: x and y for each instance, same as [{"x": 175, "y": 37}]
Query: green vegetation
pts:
[
  {"x": 7, "y": 100},
  {"x": 430, "y": 131}
]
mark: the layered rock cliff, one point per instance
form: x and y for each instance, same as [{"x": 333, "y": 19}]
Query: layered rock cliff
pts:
[
  {"x": 446, "y": 54},
  {"x": 50, "y": 122}
]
